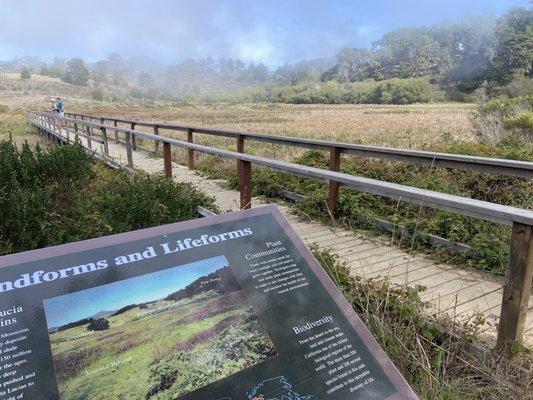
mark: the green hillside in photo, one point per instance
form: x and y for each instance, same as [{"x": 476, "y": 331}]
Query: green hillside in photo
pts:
[{"x": 160, "y": 350}]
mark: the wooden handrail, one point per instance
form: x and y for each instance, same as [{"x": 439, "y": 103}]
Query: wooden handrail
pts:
[
  {"x": 518, "y": 281},
  {"x": 522, "y": 169},
  {"x": 460, "y": 205}
]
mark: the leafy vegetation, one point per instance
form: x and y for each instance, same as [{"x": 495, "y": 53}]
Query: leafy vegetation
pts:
[
  {"x": 97, "y": 94},
  {"x": 504, "y": 119},
  {"x": 61, "y": 194},
  {"x": 356, "y": 209},
  {"x": 461, "y": 55},
  {"x": 430, "y": 352},
  {"x": 393, "y": 91},
  {"x": 25, "y": 73},
  {"x": 76, "y": 72}
]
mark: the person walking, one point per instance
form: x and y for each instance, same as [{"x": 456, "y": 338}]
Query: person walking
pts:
[
  {"x": 59, "y": 110},
  {"x": 59, "y": 107}
]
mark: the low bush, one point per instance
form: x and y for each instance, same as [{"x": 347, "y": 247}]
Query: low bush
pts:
[
  {"x": 504, "y": 119},
  {"x": 25, "y": 73},
  {"x": 356, "y": 209},
  {"x": 392, "y": 91},
  {"x": 405, "y": 91},
  {"x": 62, "y": 194},
  {"x": 97, "y": 94}
]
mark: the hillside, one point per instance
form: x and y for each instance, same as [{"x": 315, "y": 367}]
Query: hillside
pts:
[
  {"x": 161, "y": 352},
  {"x": 37, "y": 91},
  {"x": 221, "y": 281}
]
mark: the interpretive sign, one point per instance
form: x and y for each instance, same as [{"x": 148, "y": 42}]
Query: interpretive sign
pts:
[{"x": 230, "y": 307}]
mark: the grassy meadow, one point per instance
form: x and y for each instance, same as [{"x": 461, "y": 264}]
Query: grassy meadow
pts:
[
  {"x": 416, "y": 126},
  {"x": 160, "y": 350}
]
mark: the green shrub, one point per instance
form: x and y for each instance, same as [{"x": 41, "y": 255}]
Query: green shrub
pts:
[
  {"x": 62, "y": 194},
  {"x": 503, "y": 119},
  {"x": 405, "y": 91},
  {"x": 357, "y": 209},
  {"x": 3, "y": 108},
  {"x": 38, "y": 187},
  {"x": 137, "y": 93},
  {"x": 519, "y": 87},
  {"x": 25, "y": 73},
  {"x": 139, "y": 201},
  {"x": 97, "y": 94},
  {"x": 522, "y": 121},
  {"x": 392, "y": 91},
  {"x": 53, "y": 72}
]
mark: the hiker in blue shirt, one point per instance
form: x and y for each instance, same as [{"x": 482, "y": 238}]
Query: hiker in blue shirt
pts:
[
  {"x": 59, "y": 107},
  {"x": 59, "y": 110}
]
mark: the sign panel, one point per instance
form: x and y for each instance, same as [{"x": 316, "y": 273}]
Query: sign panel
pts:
[{"x": 230, "y": 307}]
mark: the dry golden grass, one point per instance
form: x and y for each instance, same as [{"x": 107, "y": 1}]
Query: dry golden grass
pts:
[
  {"x": 412, "y": 126},
  {"x": 14, "y": 124}
]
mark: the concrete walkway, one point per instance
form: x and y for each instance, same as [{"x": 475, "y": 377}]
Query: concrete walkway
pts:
[{"x": 459, "y": 292}]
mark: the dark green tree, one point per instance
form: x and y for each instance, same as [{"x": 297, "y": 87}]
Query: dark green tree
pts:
[
  {"x": 25, "y": 73},
  {"x": 76, "y": 73},
  {"x": 514, "y": 45},
  {"x": 354, "y": 65}
]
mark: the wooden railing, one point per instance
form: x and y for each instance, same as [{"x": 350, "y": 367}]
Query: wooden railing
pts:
[{"x": 520, "y": 270}]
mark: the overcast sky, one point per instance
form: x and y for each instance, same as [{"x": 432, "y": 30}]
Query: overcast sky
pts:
[{"x": 168, "y": 31}]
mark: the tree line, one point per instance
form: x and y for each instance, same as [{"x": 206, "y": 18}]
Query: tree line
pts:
[
  {"x": 463, "y": 54},
  {"x": 476, "y": 51}
]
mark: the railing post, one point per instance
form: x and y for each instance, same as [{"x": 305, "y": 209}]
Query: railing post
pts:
[
  {"x": 88, "y": 132},
  {"x": 167, "y": 158},
  {"x": 67, "y": 131},
  {"x": 240, "y": 144},
  {"x": 76, "y": 137},
  {"x": 104, "y": 137},
  {"x": 334, "y": 165},
  {"x": 190, "y": 152},
  {"x": 115, "y": 124},
  {"x": 133, "y": 140},
  {"x": 129, "y": 151},
  {"x": 517, "y": 287},
  {"x": 156, "y": 144},
  {"x": 244, "y": 170}
]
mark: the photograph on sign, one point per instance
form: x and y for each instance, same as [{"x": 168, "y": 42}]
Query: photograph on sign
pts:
[{"x": 175, "y": 330}]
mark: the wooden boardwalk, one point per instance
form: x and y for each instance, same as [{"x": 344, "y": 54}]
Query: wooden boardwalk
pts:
[{"x": 461, "y": 293}]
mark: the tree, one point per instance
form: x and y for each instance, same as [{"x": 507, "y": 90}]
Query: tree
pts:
[
  {"x": 53, "y": 72},
  {"x": 514, "y": 45},
  {"x": 76, "y": 73},
  {"x": 352, "y": 65},
  {"x": 98, "y": 324},
  {"x": 97, "y": 94},
  {"x": 59, "y": 63},
  {"x": 145, "y": 80},
  {"x": 412, "y": 53},
  {"x": 257, "y": 73},
  {"x": 115, "y": 62},
  {"x": 25, "y": 73}
]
